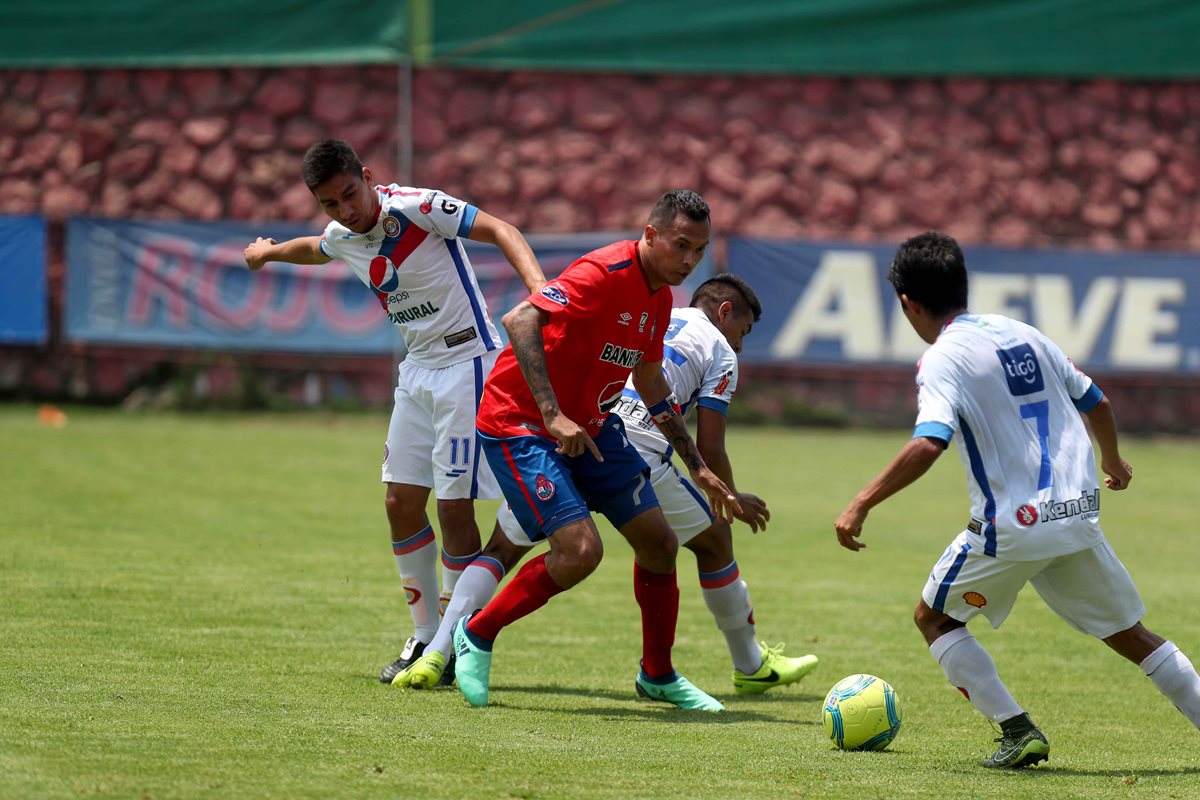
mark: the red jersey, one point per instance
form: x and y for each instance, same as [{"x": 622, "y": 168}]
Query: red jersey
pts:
[{"x": 604, "y": 319}]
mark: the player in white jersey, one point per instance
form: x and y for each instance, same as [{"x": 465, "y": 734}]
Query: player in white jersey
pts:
[
  {"x": 1008, "y": 397},
  {"x": 701, "y": 367},
  {"x": 405, "y": 245}
]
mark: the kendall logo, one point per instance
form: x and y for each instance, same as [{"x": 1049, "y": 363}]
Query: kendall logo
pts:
[
  {"x": 1021, "y": 370},
  {"x": 1087, "y": 505}
]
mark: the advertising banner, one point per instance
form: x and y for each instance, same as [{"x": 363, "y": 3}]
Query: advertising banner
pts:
[
  {"x": 23, "y": 303},
  {"x": 185, "y": 284},
  {"x": 831, "y": 303}
]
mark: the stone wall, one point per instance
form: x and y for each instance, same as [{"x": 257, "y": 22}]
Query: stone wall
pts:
[{"x": 1099, "y": 164}]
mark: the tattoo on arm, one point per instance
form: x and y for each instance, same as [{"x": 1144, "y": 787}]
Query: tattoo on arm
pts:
[
  {"x": 530, "y": 349},
  {"x": 677, "y": 435}
]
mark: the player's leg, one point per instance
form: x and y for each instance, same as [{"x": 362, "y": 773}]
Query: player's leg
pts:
[
  {"x": 408, "y": 472},
  {"x": 619, "y": 487},
  {"x": 507, "y": 546},
  {"x": 461, "y": 473},
  {"x": 1093, "y": 592},
  {"x": 537, "y": 483},
  {"x": 756, "y": 667},
  {"x": 962, "y": 584}
]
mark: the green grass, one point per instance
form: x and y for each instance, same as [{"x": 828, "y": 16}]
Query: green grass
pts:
[{"x": 198, "y": 607}]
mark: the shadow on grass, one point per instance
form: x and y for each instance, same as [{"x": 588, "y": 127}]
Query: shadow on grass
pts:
[{"x": 646, "y": 708}]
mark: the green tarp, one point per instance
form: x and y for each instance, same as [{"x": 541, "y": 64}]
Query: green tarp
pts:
[
  {"x": 995, "y": 38},
  {"x": 203, "y": 33}
]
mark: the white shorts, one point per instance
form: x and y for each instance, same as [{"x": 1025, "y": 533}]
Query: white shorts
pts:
[
  {"x": 684, "y": 506},
  {"x": 1090, "y": 589},
  {"x": 431, "y": 439}
]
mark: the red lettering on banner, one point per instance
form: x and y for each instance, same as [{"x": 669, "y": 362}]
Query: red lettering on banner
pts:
[
  {"x": 225, "y": 312},
  {"x": 161, "y": 275}
]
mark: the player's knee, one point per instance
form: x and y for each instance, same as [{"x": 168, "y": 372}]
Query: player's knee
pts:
[{"x": 404, "y": 509}]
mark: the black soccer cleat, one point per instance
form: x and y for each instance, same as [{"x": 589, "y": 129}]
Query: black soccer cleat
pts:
[
  {"x": 447, "y": 678},
  {"x": 413, "y": 649},
  {"x": 1021, "y": 745}
]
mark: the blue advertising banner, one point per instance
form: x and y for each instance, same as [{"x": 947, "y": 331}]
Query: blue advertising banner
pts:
[
  {"x": 831, "y": 303},
  {"x": 185, "y": 284},
  {"x": 23, "y": 305}
]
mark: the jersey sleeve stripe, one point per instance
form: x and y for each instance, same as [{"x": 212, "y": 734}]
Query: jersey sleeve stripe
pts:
[
  {"x": 934, "y": 430},
  {"x": 468, "y": 220},
  {"x": 1089, "y": 400},
  {"x": 481, "y": 324},
  {"x": 712, "y": 403},
  {"x": 620, "y": 265}
]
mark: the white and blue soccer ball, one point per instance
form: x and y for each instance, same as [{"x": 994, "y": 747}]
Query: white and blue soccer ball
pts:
[{"x": 861, "y": 712}]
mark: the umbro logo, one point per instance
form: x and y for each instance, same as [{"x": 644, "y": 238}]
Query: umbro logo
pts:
[{"x": 625, "y": 318}]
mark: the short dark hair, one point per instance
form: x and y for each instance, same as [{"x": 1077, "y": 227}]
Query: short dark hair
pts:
[
  {"x": 930, "y": 269},
  {"x": 727, "y": 286},
  {"x": 328, "y": 158},
  {"x": 676, "y": 202}
]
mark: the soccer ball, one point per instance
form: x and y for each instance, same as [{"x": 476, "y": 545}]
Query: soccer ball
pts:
[{"x": 861, "y": 712}]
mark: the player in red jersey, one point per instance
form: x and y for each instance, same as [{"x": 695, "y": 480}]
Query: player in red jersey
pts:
[{"x": 559, "y": 454}]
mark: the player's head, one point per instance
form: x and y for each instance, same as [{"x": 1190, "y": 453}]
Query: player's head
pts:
[
  {"x": 930, "y": 277},
  {"x": 732, "y": 306},
  {"x": 342, "y": 185},
  {"x": 675, "y": 237}
]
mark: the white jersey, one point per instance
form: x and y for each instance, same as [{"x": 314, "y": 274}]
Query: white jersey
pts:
[
  {"x": 701, "y": 369},
  {"x": 414, "y": 262},
  {"x": 1009, "y": 397}
]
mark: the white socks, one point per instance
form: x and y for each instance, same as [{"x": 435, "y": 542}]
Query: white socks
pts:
[
  {"x": 731, "y": 609},
  {"x": 417, "y": 557},
  {"x": 476, "y": 585},
  {"x": 1176, "y": 678},
  {"x": 969, "y": 667},
  {"x": 452, "y": 570}
]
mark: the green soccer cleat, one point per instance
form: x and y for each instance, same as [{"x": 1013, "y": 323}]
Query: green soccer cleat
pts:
[
  {"x": 679, "y": 692},
  {"x": 1020, "y": 749},
  {"x": 424, "y": 673},
  {"x": 776, "y": 670},
  {"x": 473, "y": 667}
]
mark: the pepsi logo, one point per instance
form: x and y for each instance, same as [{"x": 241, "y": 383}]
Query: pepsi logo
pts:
[
  {"x": 1026, "y": 515},
  {"x": 391, "y": 226},
  {"x": 383, "y": 274}
]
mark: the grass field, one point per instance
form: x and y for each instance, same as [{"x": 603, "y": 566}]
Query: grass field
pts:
[{"x": 199, "y": 606}]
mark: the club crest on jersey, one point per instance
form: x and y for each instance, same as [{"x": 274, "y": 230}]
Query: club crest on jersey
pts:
[
  {"x": 383, "y": 274},
  {"x": 556, "y": 294},
  {"x": 974, "y": 599},
  {"x": 1026, "y": 515},
  {"x": 543, "y": 487},
  {"x": 391, "y": 226}
]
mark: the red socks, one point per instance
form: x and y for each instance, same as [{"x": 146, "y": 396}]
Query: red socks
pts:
[
  {"x": 658, "y": 597},
  {"x": 530, "y": 589}
]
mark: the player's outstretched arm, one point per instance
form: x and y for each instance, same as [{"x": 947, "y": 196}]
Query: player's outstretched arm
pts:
[
  {"x": 1104, "y": 428},
  {"x": 710, "y": 441},
  {"x": 913, "y": 461},
  {"x": 524, "y": 326},
  {"x": 513, "y": 245},
  {"x": 652, "y": 387},
  {"x": 305, "y": 250}
]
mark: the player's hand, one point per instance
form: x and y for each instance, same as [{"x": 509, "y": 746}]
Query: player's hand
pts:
[
  {"x": 724, "y": 503},
  {"x": 849, "y": 527},
  {"x": 256, "y": 253},
  {"x": 1119, "y": 474},
  {"x": 572, "y": 439},
  {"x": 754, "y": 511}
]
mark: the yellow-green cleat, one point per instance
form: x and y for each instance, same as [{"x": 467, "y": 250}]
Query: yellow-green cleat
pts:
[
  {"x": 678, "y": 691},
  {"x": 776, "y": 670},
  {"x": 424, "y": 673},
  {"x": 1021, "y": 745}
]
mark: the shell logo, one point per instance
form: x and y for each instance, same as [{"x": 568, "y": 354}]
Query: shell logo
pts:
[{"x": 974, "y": 599}]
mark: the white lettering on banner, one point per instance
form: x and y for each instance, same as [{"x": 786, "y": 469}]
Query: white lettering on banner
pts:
[
  {"x": 1053, "y": 312},
  {"x": 840, "y": 302},
  {"x": 1141, "y": 318}
]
